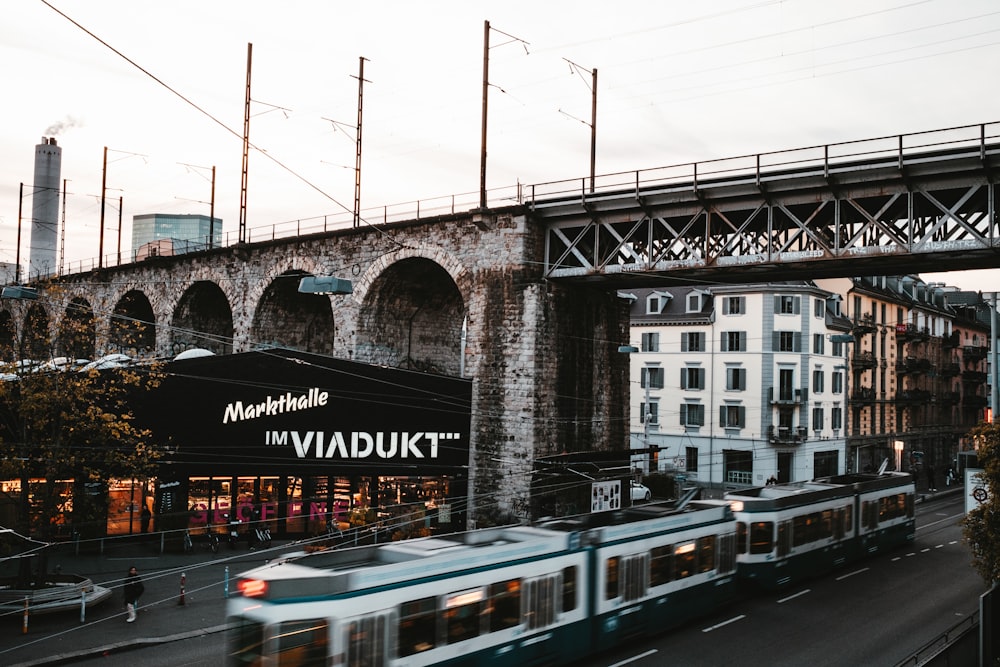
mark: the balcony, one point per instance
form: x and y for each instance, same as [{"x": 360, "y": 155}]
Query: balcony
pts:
[
  {"x": 951, "y": 341},
  {"x": 974, "y": 377},
  {"x": 866, "y": 324},
  {"x": 863, "y": 395},
  {"x": 909, "y": 396},
  {"x": 913, "y": 365},
  {"x": 787, "y": 396},
  {"x": 973, "y": 401},
  {"x": 950, "y": 369},
  {"x": 861, "y": 360},
  {"x": 911, "y": 332},
  {"x": 784, "y": 435},
  {"x": 974, "y": 352}
]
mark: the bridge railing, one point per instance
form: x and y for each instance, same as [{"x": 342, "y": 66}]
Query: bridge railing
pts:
[{"x": 824, "y": 158}]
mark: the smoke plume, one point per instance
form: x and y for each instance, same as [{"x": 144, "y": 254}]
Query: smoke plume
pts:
[{"x": 61, "y": 126}]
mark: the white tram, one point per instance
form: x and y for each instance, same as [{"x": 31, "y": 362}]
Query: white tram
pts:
[{"x": 519, "y": 595}]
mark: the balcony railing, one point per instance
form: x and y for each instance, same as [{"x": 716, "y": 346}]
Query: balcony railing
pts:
[{"x": 785, "y": 435}]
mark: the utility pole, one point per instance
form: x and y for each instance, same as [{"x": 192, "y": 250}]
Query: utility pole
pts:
[
  {"x": 246, "y": 152},
  {"x": 486, "y": 97},
  {"x": 357, "y": 157},
  {"x": 17, "y": 262},
  {"x": 104, "y": 186}
]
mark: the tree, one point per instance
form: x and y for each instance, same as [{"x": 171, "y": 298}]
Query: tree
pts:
[
  {"x": 66, "y": 431},
  {"x": 981, "y": 526}
]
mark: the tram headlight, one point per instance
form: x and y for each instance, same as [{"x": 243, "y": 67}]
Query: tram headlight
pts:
[{"x": 252, "y": 588}]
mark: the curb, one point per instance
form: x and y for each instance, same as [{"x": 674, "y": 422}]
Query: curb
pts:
[{"x": 117, "y": 647}]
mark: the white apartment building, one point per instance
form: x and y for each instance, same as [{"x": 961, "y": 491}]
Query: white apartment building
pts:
[{"x": 739, "y": 383}]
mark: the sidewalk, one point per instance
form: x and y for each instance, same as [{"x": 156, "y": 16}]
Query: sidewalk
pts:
[{"x": 61, "y": 638}]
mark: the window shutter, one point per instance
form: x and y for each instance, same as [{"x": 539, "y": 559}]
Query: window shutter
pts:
[
  {"x": 743, "y": 341},
  {"x": 775, "y": 341},
  {"x": 684, "y": 342},
  {"x": 684, "y": 378},
  {"x": 742, "y": 411},
  {"x": 797, "y": 341},
  {"x": 777, "y": 303},
  {"x": 700, "y": 336},
  {"x": 724, "y": 341},
  {"x": 796, "y": 304},
  {"x": 725, "y": 306},
  {"x": 722, "y": 416},
  {"x": 684, "y": 414}
]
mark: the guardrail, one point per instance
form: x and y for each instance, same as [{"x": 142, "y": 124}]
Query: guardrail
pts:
[{"x": 942, "y": 642}]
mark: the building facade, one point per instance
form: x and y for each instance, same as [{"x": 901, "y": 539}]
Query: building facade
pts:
[
  {"x": 739, "y": 383},
  {"x": 173, "y": 234}
]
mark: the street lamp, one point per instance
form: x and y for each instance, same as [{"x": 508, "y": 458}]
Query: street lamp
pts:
[
  {"x": 325, "y": 285},
  {"x": 898, "y": 446}
]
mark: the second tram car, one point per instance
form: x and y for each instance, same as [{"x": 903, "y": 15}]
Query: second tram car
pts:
[{"x": 793, "y": 531}]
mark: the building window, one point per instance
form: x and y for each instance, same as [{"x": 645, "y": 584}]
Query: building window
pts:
[
  {"x": 692, "y": 377},
  {"x": 734, "y": 341},
  {"x": 691, "y": 459},
  {"x": 694, "y": 302},
  {"x": 838, "y": 382},
  {"x": 653, "y": 412},
  {"x": 652, "y": 376},
  {"x": 836, "y": 418},
  {"x": 736, "y": 378},
  {"x": 817, "y": 381},
  {"x": 654, "y": 304},
  {"x": 786, "y": 387},
  {"x": 693, "y": 341},
  {"x": 787, "y": 341},
  {"x": 692, "y": 414},
  {"x": 732, "y": 416},
  {"x": 651, "y": 342},
  {"x": 818, "y": 343},
  {"x": 837, "y": 349},
  {"x": 786, "y": 304},
  {"x": 817, "y": 419},
  {"x": 734, "y": 305},
  {"x": 819, "y": 307}
]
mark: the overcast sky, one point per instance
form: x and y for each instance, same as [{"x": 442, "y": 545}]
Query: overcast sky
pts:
[{"x": 677, "y": 82}]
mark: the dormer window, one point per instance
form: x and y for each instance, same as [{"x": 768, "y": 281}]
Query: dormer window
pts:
[
  {"x": 656, "y": 302},
  {"x": 694, "y": 302}
]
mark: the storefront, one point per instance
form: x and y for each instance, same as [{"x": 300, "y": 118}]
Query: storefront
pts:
[{"x": 296, "y": 440}]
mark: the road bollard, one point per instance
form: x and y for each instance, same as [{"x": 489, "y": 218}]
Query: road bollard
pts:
[
  {"x": 225, "y": 586},
  {"x": 83, "y": 606},
  {"x": 180, "y": 600},
  {"x": 24, "y": 628}
]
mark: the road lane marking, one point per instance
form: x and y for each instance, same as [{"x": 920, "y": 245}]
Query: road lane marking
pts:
[
  {"x": 934, "y": 523},
  {"x": 792, "y": 597},
  {"x": 633, "y": 658},
  {"x": 851, "y": 574},
  {"x": 724, "y": 623}
]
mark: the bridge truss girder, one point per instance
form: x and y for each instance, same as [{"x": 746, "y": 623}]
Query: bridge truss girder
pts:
[{"x": 934, "y": 211}]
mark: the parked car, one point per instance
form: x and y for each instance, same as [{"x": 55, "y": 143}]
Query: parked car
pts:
[{"x": 639, "y": 492}]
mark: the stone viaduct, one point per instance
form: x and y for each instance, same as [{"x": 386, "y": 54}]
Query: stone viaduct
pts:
[{"x": 461, "y": 294}]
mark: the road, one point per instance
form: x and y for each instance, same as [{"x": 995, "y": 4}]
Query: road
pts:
[{"x": 875, "y": 613}]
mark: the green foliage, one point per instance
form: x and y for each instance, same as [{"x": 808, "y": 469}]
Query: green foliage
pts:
[
  {"x": 61, "y": 423},
  {"x": 981, "y": 526}
]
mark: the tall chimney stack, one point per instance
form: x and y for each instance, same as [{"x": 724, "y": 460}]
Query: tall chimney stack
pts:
[{"x": 45, "y": 209}]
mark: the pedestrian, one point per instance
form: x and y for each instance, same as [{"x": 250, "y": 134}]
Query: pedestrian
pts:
[
  {"x": 772, "y": 480},
  {"x": 145, "y": 517},
  {"x": 133, "y": 590},
  {"x": 930, "y": 478}
]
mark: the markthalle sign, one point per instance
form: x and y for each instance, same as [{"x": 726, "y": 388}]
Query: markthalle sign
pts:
[{"x": 282, "y": 407}]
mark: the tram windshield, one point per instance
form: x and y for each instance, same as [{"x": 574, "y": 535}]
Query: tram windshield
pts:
[{"x": 245, "y": 639}]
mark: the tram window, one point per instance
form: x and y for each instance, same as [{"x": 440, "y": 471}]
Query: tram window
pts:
[
  {"x": 684, "y": 560},
  {"x": 727, "y": 553},
  {"x": 635, "y": 576},
  {"x": 365, "y": 643},
  {"x": 505, "y": 604},
  {"x": 784, "y": 543},
  {"x": 416, "y": 626},
  {"x": 302, "y": 643},
  {"x": 461, "y": 616},
  {"x": 825, "y": 525},
  {"x": 838, "y": 524},
  {"x": 611, "y": 578},
  {"x": 801, "y": 530},
  {"x": 246, "y": 642},
  {"x": 569, "y": 589},
  {"x": 540, "y": 602},
  {"x": 660, "y": 563},
  {"x": 741, "y": 538},
  {"x": 706, "y": 553},
  {"x": 761, "y": 537},
  {"x": 848, "y": 519},
  {"x": 909, "y": 505}
]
